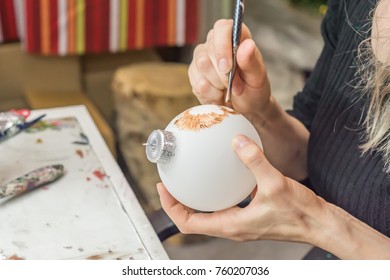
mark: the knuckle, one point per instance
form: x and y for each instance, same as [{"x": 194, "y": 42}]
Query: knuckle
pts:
[
  {"x": 195, "y": 92},
  {"x": 239, "y": 238},
  {"x": 279, "y": 187},
  {"x": 246, "y": 30},
  {"x": 230, "y": 232},
  {"x": 191, "y": 73},
  {"x": 203, "y": 85},
  {"x": 254, "y": 157},
  {"x": 199, "y": 48},
  {"x": 210, "y": 34},
  {"x": 237, "y": 231},
  {"x": 203, "y": 63},
  {"x": 184, "y": 229},
  {"x": 221, "y": 23}
]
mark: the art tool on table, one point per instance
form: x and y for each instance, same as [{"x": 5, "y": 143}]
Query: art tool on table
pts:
[
  {"x": 12, "y": 123},
  {"x": 36, "y": 178},
  {"x": 236, "y": 37},
  {"x": 83, "y": 140}
]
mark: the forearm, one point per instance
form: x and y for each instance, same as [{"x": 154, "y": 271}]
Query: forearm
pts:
[
  {"x": 284, "y": 138},
  {"x": 347, "y": 237}
]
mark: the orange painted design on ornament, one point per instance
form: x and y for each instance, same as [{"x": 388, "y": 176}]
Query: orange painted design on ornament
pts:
[{"x": 197, "y": 122}]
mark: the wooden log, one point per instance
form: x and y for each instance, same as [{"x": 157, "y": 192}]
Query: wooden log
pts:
[{"x": 147, "y": 97}]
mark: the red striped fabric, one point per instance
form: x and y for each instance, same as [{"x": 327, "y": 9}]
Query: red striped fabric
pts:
[
  {"x": 104, "y": 39},
  {"x": 71, "y": 13},
  {"x": 91, "y": 42},
  {"x": 192, "y": 22},
  {"x": 161, "y": 20},
  {"x": 33, "y": 30},
  {"x": 53, "y": 26},
  {"x": 61, "y": 27},
  {"x": 97, "y": 25},
  {"x": 149, "y": 24},
  {"x": 8, "y": 21},
  {"x": 131, "y": 24}
]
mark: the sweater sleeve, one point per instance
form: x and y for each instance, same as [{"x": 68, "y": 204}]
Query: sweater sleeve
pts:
[{"x": 305, "y": 102}]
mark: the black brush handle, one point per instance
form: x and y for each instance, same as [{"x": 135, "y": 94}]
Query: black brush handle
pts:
[{"x": 237, "y": 23}]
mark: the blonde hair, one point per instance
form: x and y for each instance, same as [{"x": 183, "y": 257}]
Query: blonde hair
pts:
[{"x": 375, "y": 81}]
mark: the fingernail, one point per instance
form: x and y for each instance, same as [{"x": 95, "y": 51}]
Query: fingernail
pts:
[
  {"x": 223, "y": 65},
  {"x": 240, "y": 141}
]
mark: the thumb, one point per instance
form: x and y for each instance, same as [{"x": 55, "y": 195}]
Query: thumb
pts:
[{"x": 253, "y": 158}]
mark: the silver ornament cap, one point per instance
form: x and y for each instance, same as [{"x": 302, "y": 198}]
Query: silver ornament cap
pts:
[{"x": 160, "y": 146}]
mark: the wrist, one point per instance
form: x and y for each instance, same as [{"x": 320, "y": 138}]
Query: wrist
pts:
[
  {"x": 284, "y": 138},
  {"x": 343, "y": 235},
  {"x": 325, "y": 229},
  {"x": 265, "y": 116}
]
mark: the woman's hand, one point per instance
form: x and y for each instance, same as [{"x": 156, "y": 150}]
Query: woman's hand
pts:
[
  {"x": 212, "y": 62},
  {"x": 281, "y": 208},
  {"x": 284, "y": 138}
]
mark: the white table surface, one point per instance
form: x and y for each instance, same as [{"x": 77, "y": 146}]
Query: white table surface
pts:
[{"x": 80, "y": 216}]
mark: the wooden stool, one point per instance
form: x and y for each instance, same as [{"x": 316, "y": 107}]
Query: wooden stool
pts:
[{"x": 147, "y": 97}]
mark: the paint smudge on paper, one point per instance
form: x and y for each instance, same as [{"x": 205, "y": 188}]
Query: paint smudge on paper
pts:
[
  {"x": 43, "y": 125},
  {"x": 95, "y": 257},
  {"x": 99, "y": 174},
  {"x": 14, "y": 257},
  {"x": 80, "y": 153},
  {"x": 52, "y": 124}
]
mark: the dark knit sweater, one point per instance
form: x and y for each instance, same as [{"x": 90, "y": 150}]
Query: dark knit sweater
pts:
[{"x": 330, "y": 108}]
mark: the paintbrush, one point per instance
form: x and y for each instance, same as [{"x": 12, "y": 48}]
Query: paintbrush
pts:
[
  {"x": 34, "y": 179},
  {"x": 236, "y": 37},
  {"x": 11, "y": 124}
]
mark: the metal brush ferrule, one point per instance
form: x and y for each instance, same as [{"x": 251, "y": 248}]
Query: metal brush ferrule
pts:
[{"x": 160, "y": 146}]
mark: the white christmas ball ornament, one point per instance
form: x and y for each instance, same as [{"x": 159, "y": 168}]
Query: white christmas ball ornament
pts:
[{"x": 196, "y": 161}]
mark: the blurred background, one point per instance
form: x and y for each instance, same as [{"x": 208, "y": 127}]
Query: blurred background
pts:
[{"x": 127, "y": 60}]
